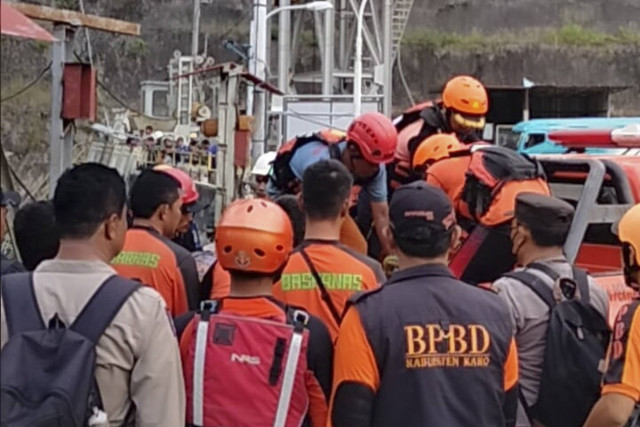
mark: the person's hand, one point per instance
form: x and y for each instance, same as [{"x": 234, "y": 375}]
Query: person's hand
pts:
[{"x": 390, "y": 265}]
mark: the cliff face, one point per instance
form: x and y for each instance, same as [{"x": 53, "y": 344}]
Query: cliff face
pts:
[{"x": 561, "y": 42}]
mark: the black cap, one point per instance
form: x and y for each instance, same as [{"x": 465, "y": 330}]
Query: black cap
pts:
[
  {"x": 418, "y": 205},
  {"x": 538, "y": 211},
  {"x": 9, "y": 198}
]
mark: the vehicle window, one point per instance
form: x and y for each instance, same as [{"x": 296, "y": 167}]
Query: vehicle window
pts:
[
  {"x": 507, "y": 138},
  {"x": 534, "y": 139}
]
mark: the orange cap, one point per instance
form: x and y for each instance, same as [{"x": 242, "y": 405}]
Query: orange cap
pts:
[
  {"x": 436, "y": 147},
  {"x": 466, "y": 95},
  {"x": 254, "y": 236}
]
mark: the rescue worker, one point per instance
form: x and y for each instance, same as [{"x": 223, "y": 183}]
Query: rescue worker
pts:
[
  {"x": 253, "y": 242},
  {"x": 36, "y": 232},
  {"x": 464, "y": 174},
  {"x": 322, "y": 273},
  {"x": 538, "y": 234},
  {"x": 149, "y": 255},
  {"x": 434, "y": 148},
  {"x": 8, "y": 198},
  {"x": 461, "y": 111},
  {"x": 260, "y": 173},
  {"x": 369, "y": 145},
  {"x": 621, "y": 383},
  {"x": 137, "y": 357},
  {"x": 424, "y": 349},
  {"x": 217, "y": 282},
  {"x": 187, "y": 234}
]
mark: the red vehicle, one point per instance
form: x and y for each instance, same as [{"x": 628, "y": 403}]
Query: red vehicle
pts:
[{"x": 601, "y": 188}]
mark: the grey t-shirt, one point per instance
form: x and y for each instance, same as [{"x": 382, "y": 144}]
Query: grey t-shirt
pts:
[{"x": 530, "y": 317}]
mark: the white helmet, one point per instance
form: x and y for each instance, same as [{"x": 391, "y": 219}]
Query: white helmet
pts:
[{"x": 263, "y": 164}]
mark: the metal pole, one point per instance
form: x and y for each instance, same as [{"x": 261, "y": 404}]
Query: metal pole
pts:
[
  {"x": 327, "y": 63},
  {"x": 196, "y": 28},
  {"x": 260, "y": 14},
  {"x": 317, "y": 21},
  {"x": 357, "y": 68},
  {"x": 284, "y": 46},
  {"x": 252, "y": 59},
  {"x": 388, "y": 62},
  {"x": 56, "y": 131},
  {"x": 342, "y": 37}
]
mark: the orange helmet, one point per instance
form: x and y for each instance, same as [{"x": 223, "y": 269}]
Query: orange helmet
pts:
[
  {"x": 466, "y": 95},
  {"x": 254, "y": 236},
  {"x": 629, "y": 235},
  {"x": 434, "y": 148}
]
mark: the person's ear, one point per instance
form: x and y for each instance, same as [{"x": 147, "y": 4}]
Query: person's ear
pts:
[
  {"x": 111, "y": 226},
  {"x": 388, "y": 233},
  {"x": 344, "y": 211},
  {"x": 162, "y": 211},
  {"x": 456, "y": 238},
  {"x": 300, "y": 201}
]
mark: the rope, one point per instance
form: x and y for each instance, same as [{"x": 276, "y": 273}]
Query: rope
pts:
[{"x": 29, "y": 86}]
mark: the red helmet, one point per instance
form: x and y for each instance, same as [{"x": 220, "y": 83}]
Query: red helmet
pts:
[
  {"x": 189, "y": 192},
  {"x": 375, "y": 136},
  {"x": 254, "y": 235}
]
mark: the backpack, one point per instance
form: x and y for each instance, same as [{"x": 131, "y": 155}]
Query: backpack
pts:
[
  {"x": 282, "y": 176},
  {"x": 243, "y": 371},
  {"x": 576, "y": 344},
  {"x": 491, "y": 170},
  {"x": 47, "y": 371}
]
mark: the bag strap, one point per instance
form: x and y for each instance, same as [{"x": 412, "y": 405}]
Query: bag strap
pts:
[
  {"x": 300, "y": 320},
  {"x": 536, "y": 284},
  {"x": 20, "y": 304},
  {"x": 540, "y": 266},
  {"x": 103, "y": 306},
  {"x": 334, "y": 151},
  {"x": 582, "y": 281},
  {"x": 525, "y": 405},
  {"x": 323, "y": 290}
]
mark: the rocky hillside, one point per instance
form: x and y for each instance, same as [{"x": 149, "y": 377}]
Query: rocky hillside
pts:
[{"x": 501, "y": 41}]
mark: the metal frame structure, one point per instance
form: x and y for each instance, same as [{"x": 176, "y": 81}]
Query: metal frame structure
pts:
[{"x": 588, "y": 210}]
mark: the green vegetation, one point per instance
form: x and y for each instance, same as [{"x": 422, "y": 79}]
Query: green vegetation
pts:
[
  {"x": 569, "y": 35},
  {"x": 25, "y": 116}
]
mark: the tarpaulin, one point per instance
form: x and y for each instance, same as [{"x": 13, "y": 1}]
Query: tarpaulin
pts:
[{"x": 14, "y": 23}]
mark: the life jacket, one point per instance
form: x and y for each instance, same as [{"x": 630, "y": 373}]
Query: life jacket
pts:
[
  {"x": 240, "y": 370},
  {"x": 413, "y": 126},
  {"x": 282, "y": 175},
  {"x": 496, "y": 175}
]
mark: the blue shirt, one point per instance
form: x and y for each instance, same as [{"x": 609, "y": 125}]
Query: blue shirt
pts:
[{"x": 313, "y": 152}]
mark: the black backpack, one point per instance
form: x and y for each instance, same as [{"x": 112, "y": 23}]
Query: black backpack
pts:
[
  {"x": 282, "y": 176},
  {"x": 47, "y": 371},
  {"x": 576, "y": 344},
  {"x": 489, "y": 170}
]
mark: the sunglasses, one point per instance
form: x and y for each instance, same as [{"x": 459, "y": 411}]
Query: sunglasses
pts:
[{"x": 262, "y": 179}]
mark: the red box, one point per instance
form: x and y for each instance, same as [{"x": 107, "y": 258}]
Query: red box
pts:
[
  {"x": 242, "y": 143},
  {"x": 79, "y": 97}
]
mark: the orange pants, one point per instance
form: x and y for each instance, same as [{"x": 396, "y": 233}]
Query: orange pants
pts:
[{"x": 351, "y": 236}]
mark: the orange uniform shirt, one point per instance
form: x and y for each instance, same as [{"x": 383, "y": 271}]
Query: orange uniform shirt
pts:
[
  {"x": 623, "y": 372},
  {"x": 149, "y": 258},
  {"x": 343, "y": 272}
]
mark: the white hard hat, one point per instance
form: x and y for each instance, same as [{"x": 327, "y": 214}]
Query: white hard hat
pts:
[
  {"x": 263, "y": 164},
  {"x": 157, "y": 134}
]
